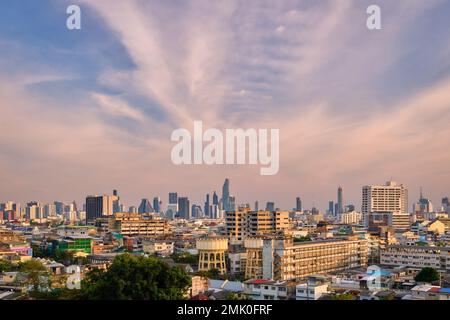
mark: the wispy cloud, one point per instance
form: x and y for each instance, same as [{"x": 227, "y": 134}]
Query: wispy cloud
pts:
[{"x": 353, "y": 106}]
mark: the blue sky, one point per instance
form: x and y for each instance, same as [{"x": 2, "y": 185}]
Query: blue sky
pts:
[{"x": 85, "y": 111}]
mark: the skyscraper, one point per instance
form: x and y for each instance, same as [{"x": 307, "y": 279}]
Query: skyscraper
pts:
[
  {"x": 226, "y": 195},
  {"x": 184, "y": 208},
  {"x": 298, "y": 204},
  {"x": 341, "y": 205},
  {"x": 99, "y": 206},
  {"x": 232, "y": 203},
  {"x": 331, "y": 208},
  {"x": 173, "y": 198},
  {"x": 256, "y": 206},
  {"x": 206, "y": 208},
  {"x": 157, "y": 204},
  {"x": 145, "y": 206},
  {"x": 215, "y": 199},
  {"x": 445, "y": 205},
  {"x": 270, "y": 206}
]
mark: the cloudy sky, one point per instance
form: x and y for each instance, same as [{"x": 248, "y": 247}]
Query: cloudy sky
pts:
[{"x": 83, "y": 112}]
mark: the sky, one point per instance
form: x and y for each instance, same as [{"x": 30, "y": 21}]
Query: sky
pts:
[{"x": 91, "y": 110}]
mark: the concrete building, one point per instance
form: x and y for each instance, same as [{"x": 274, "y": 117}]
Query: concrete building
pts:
[
  {"x": 391, "y": 197},
  {"x": 100, "y": 206},
  {"x": 282, "y": 259},
  {"x": 211, "y": 253},
  {"x": 351, "y": 217},
  {"x": 416, "y": 257},
  {"x": 245, "y": 223},
  {"x": 260, "y": 289},
  {"x": 134, "y": 224}
]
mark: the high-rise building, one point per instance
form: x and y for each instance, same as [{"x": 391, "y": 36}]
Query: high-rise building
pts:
[
  {"x": 232, "y": 203},
  {"x": 270, "y": 206},
  {"x": 298, "y": 204},
  {"x": 173, "y": 198},
  {"x": 340, "y": 198},
  {"x": 59, "y": 206},
  {"x": 99, "y": 206},
  {"x": 145, "y": 206},
  {"x": 445, "y": 205},
  {"x": 390, "y": 198},
  {"x": 215, "y": 199},
  {"x": 196, "y": 212},
  {"x": 184, "y": 208},
  {"x": 206, "y": 209},
  {"x": 256, "y": 206},
  {"x": 331, "y": 208},
  {"x": 157, "y": 204},
  {"x": 226, "y": 195},
  {"x": 423, "y": 206},
  {"x": 132, "y": 209}
]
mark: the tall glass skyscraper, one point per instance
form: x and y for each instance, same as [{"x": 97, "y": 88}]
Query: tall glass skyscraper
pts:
[
  {"x": 145, "y": 206},
  {"x": 226, "y": 195},
  {"x": 341, "y": 205}
]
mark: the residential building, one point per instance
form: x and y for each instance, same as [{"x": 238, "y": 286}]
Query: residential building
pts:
[
  {"x": 134, "y": 224},
  {"x": 416, "y": 257}
]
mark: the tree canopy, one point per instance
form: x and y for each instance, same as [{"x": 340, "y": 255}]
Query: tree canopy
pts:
[
  {"x": 136, "y": 278},
  {"x": 427, "y": 274}
]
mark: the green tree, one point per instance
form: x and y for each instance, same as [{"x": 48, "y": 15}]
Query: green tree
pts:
[
  {"x": 6, "y": 266},
  {"x": 185, "y": 258},
  {"x": 427, "y": 274},
  {"x": 37, "y": 275},
  {"x": 303, "y": 239},
  {"x": 136, "y": 278}
]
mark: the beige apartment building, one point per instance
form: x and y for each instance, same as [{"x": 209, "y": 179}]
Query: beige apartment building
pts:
[
  {"x": 135, "y": 224},
  {"x": 245, "y": 223},
  {"x": 283, "y": 259},
  {"x": 391, "y": 198},
  {"x": 416, "y": 257}
]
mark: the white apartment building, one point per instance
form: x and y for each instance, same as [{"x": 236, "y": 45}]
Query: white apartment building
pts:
[
  {"x": 352, "y": 217},
  {"x": 390, "y": 198},
  {"x": 260, "y": 289}
]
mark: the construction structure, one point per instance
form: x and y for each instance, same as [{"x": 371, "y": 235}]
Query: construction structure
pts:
[{"x": 254, "y": 257}]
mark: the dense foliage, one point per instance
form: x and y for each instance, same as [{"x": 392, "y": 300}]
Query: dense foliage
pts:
[
  {"x": 427, "y": 274},
  {"x": 136, "y": 278}
]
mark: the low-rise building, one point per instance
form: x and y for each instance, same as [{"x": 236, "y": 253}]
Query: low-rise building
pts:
[
  {"x": 417, "y": 257},
  {"x": 260, "y": 289}
]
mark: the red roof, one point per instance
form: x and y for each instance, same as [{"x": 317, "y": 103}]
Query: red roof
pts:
[{"x": 259, "y": 281}]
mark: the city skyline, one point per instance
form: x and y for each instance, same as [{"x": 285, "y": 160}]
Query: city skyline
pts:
[
  {"x": 411, "y": 202},
  {"x": 87, "y": 111}
]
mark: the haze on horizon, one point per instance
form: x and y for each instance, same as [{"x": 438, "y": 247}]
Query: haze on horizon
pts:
[{"x": 84, "y": 112}]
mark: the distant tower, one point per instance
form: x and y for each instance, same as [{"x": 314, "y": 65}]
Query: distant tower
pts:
[
  {"x": 331, "y": 208},
  {"x": 298, "y": 205},
  {"x": 206, "y": 209},
  {"x": 226, "y": 195},
  {"x": 340, "y": 201},
  {"x": 157, "y": 204},
  {"x": 215, "y": 199},
  {"x": 256, "y": 206},
  {"x": 145, "y": 206},
  {"x": 270, "y": 206}
]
